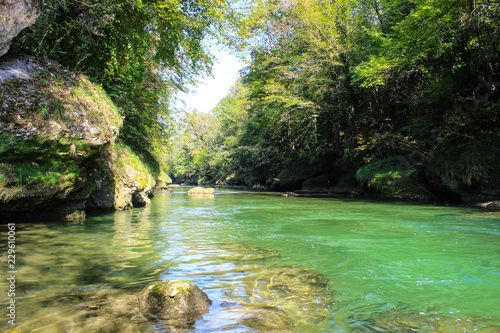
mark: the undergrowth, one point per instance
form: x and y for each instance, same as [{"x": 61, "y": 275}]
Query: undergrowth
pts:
[{"x": 391, "y": 176}]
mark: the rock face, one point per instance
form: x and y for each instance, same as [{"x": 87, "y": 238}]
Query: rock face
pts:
[
  {"x": 15, "y": 15},
  {"x": 122, "y": 182},
  {"x": 174, "y": 299},
  {"x": 57, "y": 146},
  {"x": 53, "y": 125}
]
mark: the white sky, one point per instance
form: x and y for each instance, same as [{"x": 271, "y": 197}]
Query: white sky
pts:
[{"x": 205, "y": 96}]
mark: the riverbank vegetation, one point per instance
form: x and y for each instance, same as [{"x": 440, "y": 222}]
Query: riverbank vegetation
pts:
[
  {"x": 140, "y": 52},
  {"x": 402, "y": 95},
  {"x": 395, "y": 97}
]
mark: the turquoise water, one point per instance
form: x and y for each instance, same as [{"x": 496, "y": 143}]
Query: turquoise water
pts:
[{"x": 391, "y": 266}]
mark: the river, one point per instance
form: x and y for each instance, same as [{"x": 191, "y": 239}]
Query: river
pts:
[{"x": 269, "y": 264}]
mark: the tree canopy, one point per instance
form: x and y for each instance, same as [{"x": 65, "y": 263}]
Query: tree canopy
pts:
[
  {"x": 140, "y": 51},
  {"x": 339, "y": 86}
]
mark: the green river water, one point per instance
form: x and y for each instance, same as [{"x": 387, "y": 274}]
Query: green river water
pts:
[{"x": 269, "y": 264}]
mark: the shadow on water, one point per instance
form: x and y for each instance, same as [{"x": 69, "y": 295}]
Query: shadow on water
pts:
[{"x": 270, "y": 264}]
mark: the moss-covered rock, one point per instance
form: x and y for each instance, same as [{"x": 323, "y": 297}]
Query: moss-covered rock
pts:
[
  {"x": 163, "y": 181},
  {"x": 466, "y": 168},
  {"x": 57, "y": 145},
  {"x": 174, "y": 299},
  {"x": 123, "y": 180},
  {"x": 393, "y": 177},
  {"x": 201, "y": 190},
  {"x": 54, "y": 124}
]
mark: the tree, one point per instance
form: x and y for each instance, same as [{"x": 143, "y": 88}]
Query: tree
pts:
[{"x": 140, "y": 51}]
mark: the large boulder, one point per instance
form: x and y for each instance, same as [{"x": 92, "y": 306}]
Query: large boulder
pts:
[
  {"x": 175, "y": 300},
  {"x": 15, "y": 15},
  {"x": 123, "y": 181},
  {"x": 54, "y": 124}
]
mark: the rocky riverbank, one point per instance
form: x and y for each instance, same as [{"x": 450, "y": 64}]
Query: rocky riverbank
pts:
[{"x": 59, "y": 146}]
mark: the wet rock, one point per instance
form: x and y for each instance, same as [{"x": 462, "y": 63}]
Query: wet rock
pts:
[
  {"x": 174, "y": 299},
  {"x": 494, "y": 205},
  {"x": 201, "y": 190}
]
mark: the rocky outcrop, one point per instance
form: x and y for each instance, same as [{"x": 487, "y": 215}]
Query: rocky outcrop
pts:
[
  {"x": 122, "y": 181},
  {"x": 58, "y": 153},
  {"x": 175, "y": 300},
  {"x": 15, "y": 15},
  {"x": 53, "y": 125}
]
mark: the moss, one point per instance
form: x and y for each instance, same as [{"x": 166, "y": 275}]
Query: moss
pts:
[
  {"x": 93, "y": 98},
  {"x": 125, "y": 158},
  {"x": 49, "y": 173}
]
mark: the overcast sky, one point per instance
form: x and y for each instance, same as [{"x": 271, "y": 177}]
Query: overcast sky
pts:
[{"x": 211, "y": 90}]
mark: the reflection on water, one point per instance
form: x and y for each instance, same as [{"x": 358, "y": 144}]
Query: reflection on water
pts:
[{"x": 269, "y": 263}]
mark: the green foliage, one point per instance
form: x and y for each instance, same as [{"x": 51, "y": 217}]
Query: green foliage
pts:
[
  {"x": 206, "y": 148},
  {"x": 391, "y": 176},
  {"x": 464, "y": 162},
  {"x": 141, "y": 52}
]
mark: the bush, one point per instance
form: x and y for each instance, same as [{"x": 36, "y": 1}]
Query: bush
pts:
[{"x": 392, "y": 176}]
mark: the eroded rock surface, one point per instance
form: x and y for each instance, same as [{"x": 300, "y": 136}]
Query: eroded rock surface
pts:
[
  {"x": 58, "y": 155},
  {"x": 15, "y": 15}
]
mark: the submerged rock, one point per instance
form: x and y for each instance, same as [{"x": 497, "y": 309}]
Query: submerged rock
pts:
[
  {"x": 396, "y": 321},
  {"x": 174, "y": 299},
  {"x": 262, "y": 297},
  {"x": 243, "y": 252},
  {"x": 281, "y": 299}
]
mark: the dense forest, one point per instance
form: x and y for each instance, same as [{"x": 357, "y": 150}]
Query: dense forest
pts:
[
  {"x": 396, "y": 97},
  {"x": 400, "y": 97}
]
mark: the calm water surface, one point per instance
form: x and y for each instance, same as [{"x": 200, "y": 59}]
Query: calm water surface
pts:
[{"x": 390, "y": 266}]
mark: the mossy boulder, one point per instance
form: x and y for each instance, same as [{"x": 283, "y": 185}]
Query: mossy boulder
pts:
[
  {"x": 123, "y": 180},
  {"x": 163, "y": 181},
  {"x": 174, "y": 299},
  {"x": 54, "y": 124},
  {"x": 201, "y": 190},
  {"x": 59, "y": 148},
  {"x": 466, "y": 169}
]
